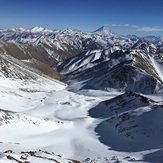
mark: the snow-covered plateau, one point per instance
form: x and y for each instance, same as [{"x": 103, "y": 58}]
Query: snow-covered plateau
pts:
[{"x": 108, "y": 108}]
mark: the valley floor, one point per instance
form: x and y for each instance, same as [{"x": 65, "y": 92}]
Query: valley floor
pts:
[{"x": 51, "y": 125}]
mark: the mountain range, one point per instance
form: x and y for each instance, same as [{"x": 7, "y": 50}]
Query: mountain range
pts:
[{"x": 74, "y": 96}]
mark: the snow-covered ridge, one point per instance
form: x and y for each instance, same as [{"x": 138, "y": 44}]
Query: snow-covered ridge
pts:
[
  {"x": 115, "y": 70},
  {"x": 40, "y": 29},
  {"x": 99, "y": 35},
  {"x": 62, "y": 44},
  {"x": 102, "y": 36},
  {"x": 132, "y": 119},
  {"x": 53, "y": 46},
  {"x": 30, "y": 30}
]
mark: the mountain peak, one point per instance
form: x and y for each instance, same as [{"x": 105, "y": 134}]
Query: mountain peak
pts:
[
  {"x": 39, "y": 29},
  {"x": 104, "y": 30}
]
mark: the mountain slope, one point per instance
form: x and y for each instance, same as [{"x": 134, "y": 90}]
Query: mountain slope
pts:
[
  {"x": 130, "y": 122},
  {"x": 131, "y": 70},
  {"x": 13, "y": 69},
  {"x": 105, "y": 31}
]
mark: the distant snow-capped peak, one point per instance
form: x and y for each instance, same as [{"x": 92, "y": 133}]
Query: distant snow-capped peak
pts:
[
  {"x": 104, "y": 30},
  {"x": 19, "y": 30},
  {"x": 28, "y": 30}
]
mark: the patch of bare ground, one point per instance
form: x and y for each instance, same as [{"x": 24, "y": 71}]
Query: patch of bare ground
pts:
[
  {"x": 44, "y": 68},
  {"x": 5, "y": 116},
  {"x": 66, "y": 103}
]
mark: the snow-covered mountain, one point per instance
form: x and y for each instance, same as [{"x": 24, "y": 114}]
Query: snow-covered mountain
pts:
[
  {"x": 104, "y": 30},
  {"x": 134, "y": 70},
  {"x": 58, "y": 45},
  {"x": 108, "y": 110},
  {"x": 62, "y": 44}
]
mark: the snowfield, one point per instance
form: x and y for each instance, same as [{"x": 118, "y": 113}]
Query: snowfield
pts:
[{"x": 48, "y": 123}]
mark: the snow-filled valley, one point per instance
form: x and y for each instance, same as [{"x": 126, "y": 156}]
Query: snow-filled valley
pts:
[
  {"x": 48, "y": 120},
  {"x": 54, "y": 124}
]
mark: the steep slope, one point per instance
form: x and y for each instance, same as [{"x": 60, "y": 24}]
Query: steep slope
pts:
[
  {"x": 131, "y": 70},
  {"x": 130, "y": 122},
  {"x": 40, "y": 64},
  {"x": 107, "y": 38},
  {"x": 27, "y": 51},
  {"x": 149, "y": 58},
  {"x": 85, "y": 59},
  {"x": 44, "y": 68},
  {"x": 13, "y": 69},
  {"x": 157, "y": 40},
  {"x": 104, "y": 30}
]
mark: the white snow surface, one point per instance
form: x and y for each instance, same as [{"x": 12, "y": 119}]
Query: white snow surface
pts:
[
  {"x": 54, "y": 123},
  {"x": 158, "y": 67}
]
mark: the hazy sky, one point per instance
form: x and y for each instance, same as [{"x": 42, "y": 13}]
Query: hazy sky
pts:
[{"x": 140, "y": 17}]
